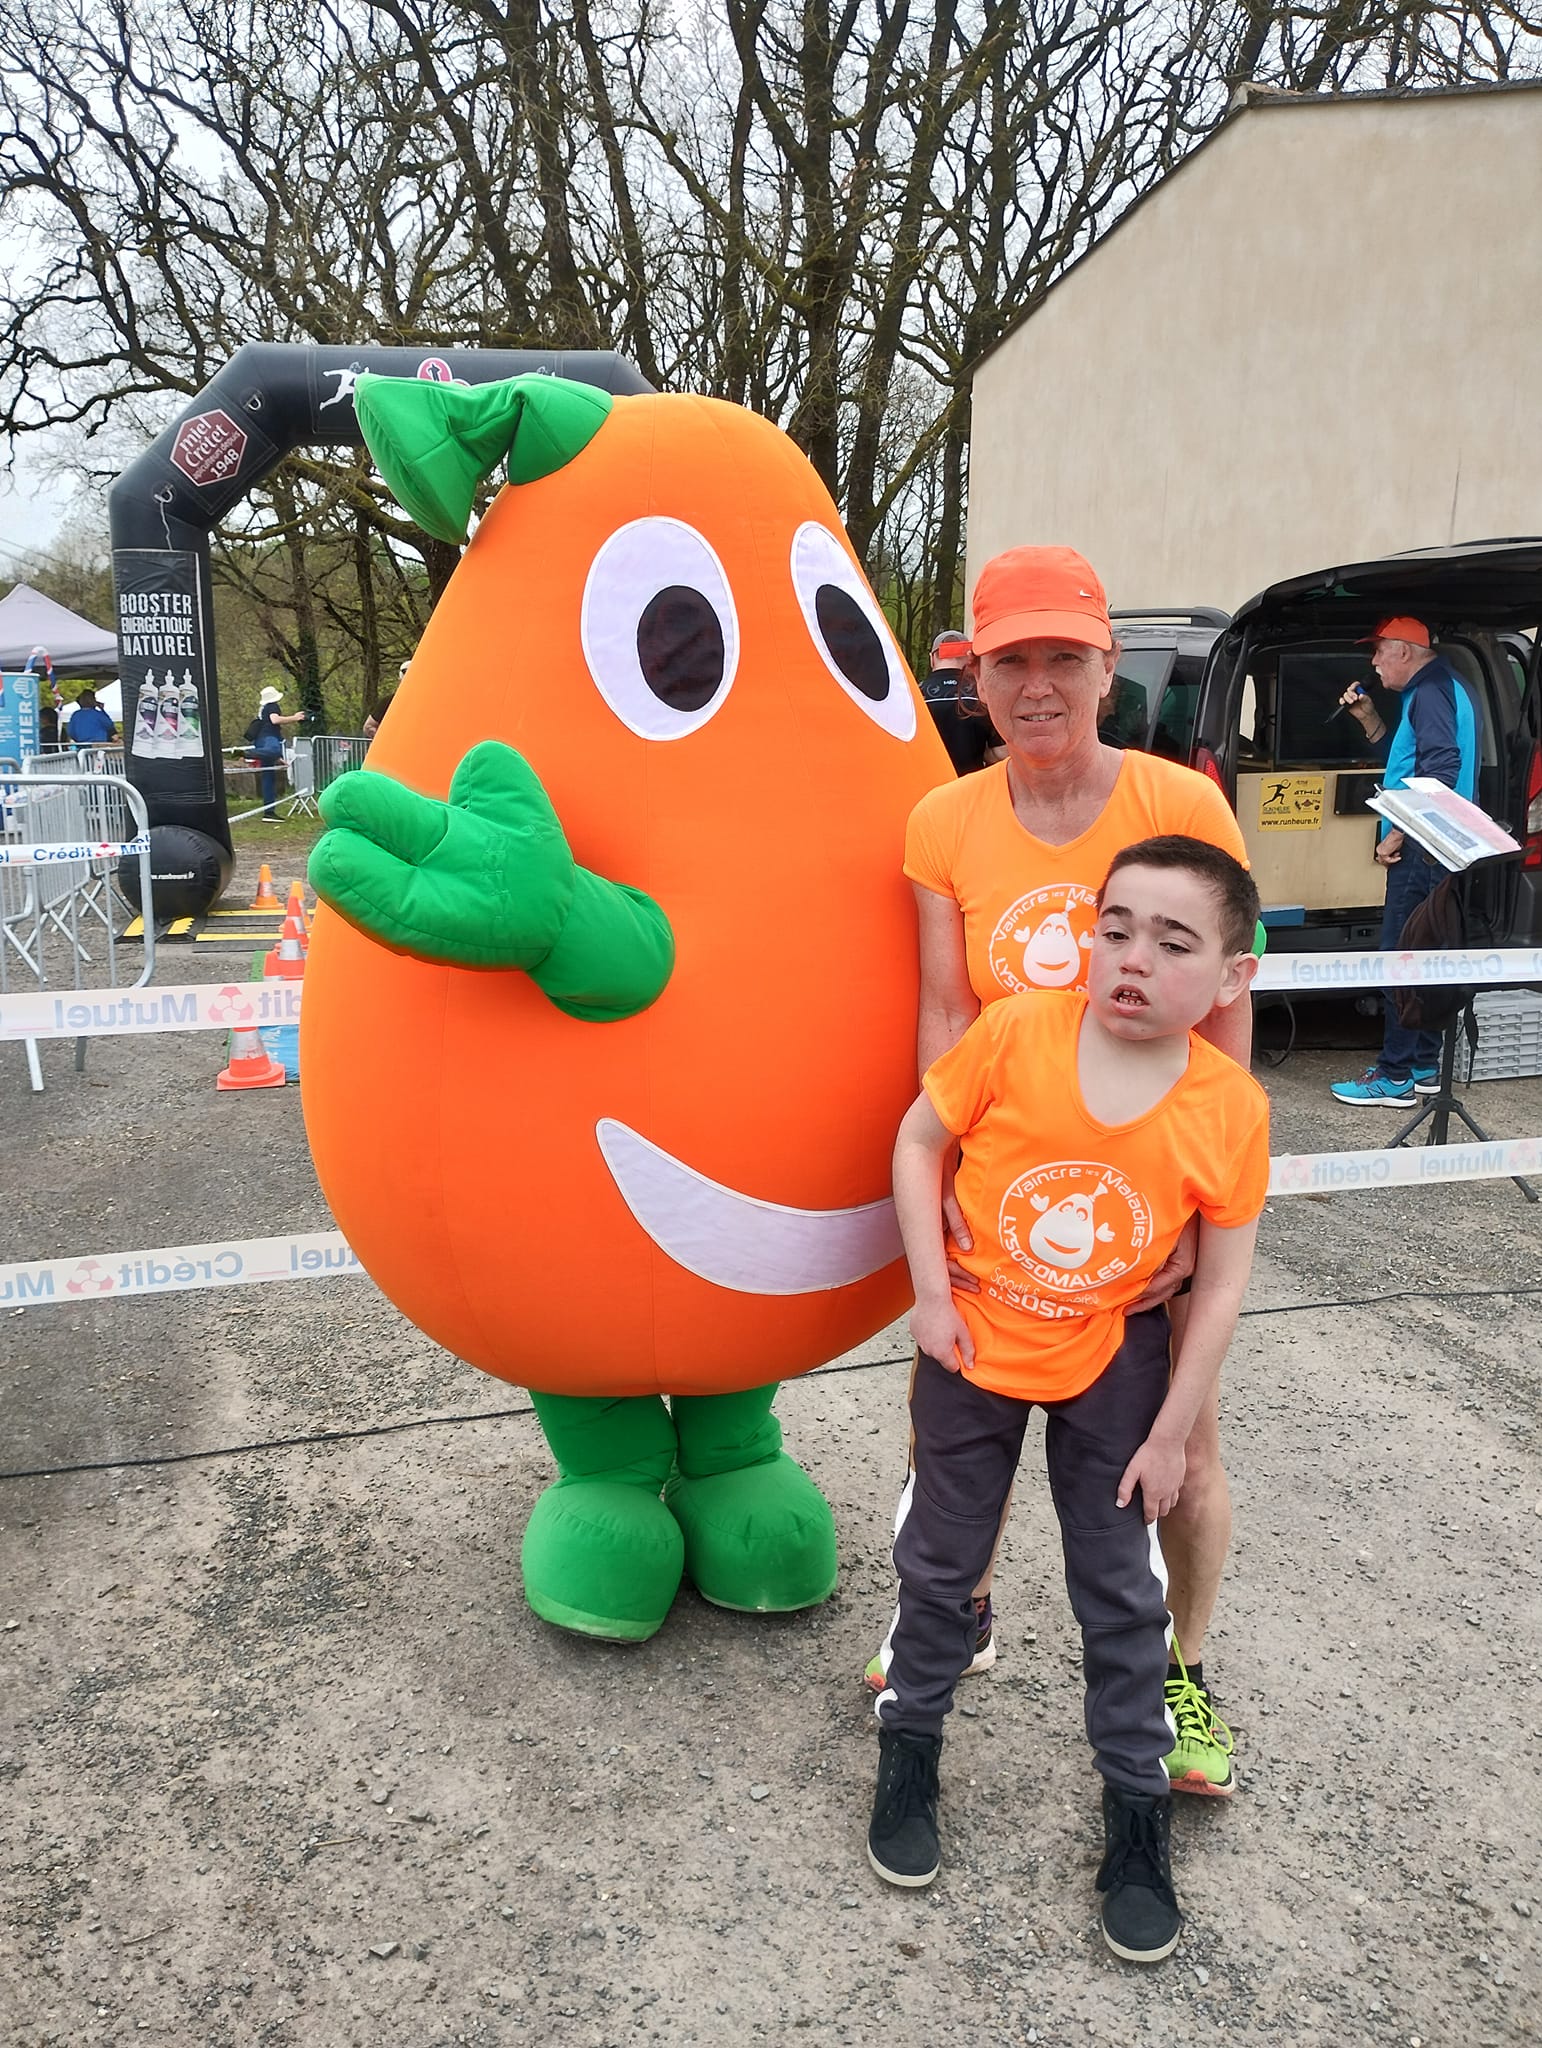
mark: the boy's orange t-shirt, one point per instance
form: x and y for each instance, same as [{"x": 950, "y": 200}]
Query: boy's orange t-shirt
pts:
[
  {"x": 1029, "y": 907},
  {"x": 1070, "y": 1216}
]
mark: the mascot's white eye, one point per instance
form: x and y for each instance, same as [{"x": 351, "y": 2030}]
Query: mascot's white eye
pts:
[
  {"x": 659, "y": 629},
  {"x": 850, "y": 631}
]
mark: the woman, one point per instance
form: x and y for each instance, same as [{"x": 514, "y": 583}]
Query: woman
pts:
[
  {"x": 1006, "y": 864},
  {"x": 267, "y": 744}
]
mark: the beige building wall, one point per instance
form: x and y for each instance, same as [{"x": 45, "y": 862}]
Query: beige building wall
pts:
[{"x": 1320, "y": 340}]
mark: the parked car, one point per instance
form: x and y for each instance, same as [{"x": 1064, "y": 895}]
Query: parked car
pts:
[{"x": 1251, "y": 701}]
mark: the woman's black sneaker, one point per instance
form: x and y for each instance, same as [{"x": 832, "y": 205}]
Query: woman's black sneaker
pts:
[
  {"x": 902, "y": 1836},
  {"x": 1141, "y": 1920}
]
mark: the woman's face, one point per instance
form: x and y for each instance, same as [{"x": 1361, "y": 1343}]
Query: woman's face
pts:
[{"x": 1044, "y": 696}]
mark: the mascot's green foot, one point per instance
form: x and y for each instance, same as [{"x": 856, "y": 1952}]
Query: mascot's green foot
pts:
[
  {"x": 602, "y": 1554},
  {"x": 761, "y": 1539},
  {"x": 602, "y": 1558}
]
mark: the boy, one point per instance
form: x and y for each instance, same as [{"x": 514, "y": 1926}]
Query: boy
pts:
[{"x": 1092, "y": 1127}]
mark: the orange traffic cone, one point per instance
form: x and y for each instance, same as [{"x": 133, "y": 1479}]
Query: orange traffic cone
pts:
[
  {"x": 266, "y": 900},
  {"x": 295, "y": 907},
  {"x": 294, "y": 928},
  {"x": 287, "y": 960},
  {"x": 250, "y": 1066}
]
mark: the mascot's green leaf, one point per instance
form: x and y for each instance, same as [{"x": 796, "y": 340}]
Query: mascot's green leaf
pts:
[{"x": 434, "y": 443}]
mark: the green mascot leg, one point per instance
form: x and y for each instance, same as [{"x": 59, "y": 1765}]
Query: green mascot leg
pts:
[
  {"x": 759, "y": 1535},
  {"x": 602, "y": 1555}
]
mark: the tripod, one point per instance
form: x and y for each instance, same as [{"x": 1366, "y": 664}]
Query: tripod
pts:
[{"x": 1443, "y": 1104}]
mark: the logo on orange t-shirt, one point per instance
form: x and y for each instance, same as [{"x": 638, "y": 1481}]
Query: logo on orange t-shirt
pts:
[
  {"x": 1043, "y": 939},
  {"x": 1072, "y": 1225}
]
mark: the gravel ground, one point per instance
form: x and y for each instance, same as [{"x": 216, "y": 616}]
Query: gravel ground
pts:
[{"x": 285, "y": 1759}]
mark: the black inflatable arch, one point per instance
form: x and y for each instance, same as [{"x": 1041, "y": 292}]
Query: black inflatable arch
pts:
[{"x": 270, "y": 398}]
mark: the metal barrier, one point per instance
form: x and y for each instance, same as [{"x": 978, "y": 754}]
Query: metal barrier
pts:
[
  {"x": 302, "y": 779},
  {"x": 63, "y": 830},
  {"x": 334, "y": 754}
]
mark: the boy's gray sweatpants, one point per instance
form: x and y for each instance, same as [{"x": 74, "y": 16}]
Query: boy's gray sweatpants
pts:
[{"x": 967, "y": 1442}]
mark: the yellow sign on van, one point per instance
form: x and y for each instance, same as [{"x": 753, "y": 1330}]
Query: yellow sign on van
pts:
[{"x": 1290, "y": 803}]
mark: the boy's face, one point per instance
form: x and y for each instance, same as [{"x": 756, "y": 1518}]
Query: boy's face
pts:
[{"x": 1158, "y": 967}]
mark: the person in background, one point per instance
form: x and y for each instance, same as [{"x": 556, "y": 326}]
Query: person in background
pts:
[
  {"x": 376, "y": 718},
  {"x": 1437, "y": 736},
  {"x": 48, "y": 728},
  {"x": 268, "y": 744},
  {"x": 89, "y": 724},
  {"x": 963, "y": 724}
]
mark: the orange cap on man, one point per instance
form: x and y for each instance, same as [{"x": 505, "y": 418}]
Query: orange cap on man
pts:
[
  {"x": 1039, "y": 594},
  {"x": 1414, "y": 631}
]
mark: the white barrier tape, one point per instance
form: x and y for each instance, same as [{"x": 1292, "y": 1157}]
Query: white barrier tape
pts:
[
  {"x": 45, "y": 855},
  {"x": 1302, "y": 972},
  {"x": 1311, "y": 1173},
  {"x": 180, "y": 1268},
  {"x": 326, "y": 1255},
  {"x": 189, "y": 1006},
  {"x": 210, "y": 1006}
]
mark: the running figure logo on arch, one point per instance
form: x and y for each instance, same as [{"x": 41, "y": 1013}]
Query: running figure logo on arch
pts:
[
  {"x": 1044, "y": 939},
  {"x": 1072, "y": 1225}
]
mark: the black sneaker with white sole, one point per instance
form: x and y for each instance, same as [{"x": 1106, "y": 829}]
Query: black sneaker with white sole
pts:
[
  {"x": 902, "y": 1835},
  {"x": 1141, "y": 1920}
]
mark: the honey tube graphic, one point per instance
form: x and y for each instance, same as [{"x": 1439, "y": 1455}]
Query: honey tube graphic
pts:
[
  {"x": 190, "y": 719},
  {"x": 146, "y": 718},
  {"x": 166, "y": 731}
]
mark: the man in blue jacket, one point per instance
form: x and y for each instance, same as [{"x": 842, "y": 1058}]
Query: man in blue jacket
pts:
[{"x": 1437, "y": 735}]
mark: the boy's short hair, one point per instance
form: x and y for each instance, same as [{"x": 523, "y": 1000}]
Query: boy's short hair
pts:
[{"x": 1235, "y": 893}]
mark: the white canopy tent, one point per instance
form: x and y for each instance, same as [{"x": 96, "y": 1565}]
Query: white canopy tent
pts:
[{"x": 76, "y": 648}]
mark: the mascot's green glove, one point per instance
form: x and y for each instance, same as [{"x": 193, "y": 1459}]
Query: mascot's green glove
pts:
[{"x": 488, "y": 880}]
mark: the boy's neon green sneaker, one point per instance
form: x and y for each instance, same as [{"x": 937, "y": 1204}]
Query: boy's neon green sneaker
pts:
[{"x": 1200, "y": 1759}]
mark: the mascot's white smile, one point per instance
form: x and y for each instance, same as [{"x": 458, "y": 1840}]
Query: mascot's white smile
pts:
[{"x": 737, "y": 1241}]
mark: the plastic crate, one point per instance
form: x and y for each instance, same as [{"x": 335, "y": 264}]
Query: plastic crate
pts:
[{"x": 1509, "y": 1035}]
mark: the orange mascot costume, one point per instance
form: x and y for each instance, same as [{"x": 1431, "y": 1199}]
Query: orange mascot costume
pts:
[{"x": 646, "y": 957}]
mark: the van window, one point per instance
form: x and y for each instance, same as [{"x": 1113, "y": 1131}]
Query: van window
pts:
[
  {"x": 1310, "y": 731},
  {"x": 1173, "y": 734},
  {"x": 1131, "y": 703}
]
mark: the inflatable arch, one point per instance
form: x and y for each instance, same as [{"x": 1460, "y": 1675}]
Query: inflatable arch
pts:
[{"x": 269, "y": 399}]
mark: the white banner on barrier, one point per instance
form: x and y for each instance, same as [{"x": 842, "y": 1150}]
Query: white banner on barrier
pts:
[
  {"x": 43, "y": 856},
  {"x": 1312, "y": 1173},
  {"x": 1305, "y": 972},
  {"x": 180, "y": 1268},
  {"x": 325, "y": 1254},
  {"x": 189, "y": 1006},
  {"x": 209, "y": 1006}
]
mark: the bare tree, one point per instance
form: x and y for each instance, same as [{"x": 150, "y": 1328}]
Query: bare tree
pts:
[{"x": 824, "y": 209}]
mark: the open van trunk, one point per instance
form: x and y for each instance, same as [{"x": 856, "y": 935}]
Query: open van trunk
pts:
[{"x": 1298, "y": 770}]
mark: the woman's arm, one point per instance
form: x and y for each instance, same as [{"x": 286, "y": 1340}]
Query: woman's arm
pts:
[
  {"x": 924, "y": 1142},
  {"x": 948, "y": 1007},
  {"x": 948, "y": 1004},
  {"x": 1220, "y": 1280}
]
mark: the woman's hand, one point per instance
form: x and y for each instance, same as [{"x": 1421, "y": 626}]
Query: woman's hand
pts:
[
  {"x": 1168, "y": 1278},
  {"x": 955, "y": 1230}
]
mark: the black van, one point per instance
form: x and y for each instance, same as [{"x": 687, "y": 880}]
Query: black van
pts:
[{"x": 1251, "y": 701}]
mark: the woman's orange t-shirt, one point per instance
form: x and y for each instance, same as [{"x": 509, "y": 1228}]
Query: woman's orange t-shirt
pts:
[
  {"x": 1070, "y": 1216},
  {"x": 1029, "y": 906}
]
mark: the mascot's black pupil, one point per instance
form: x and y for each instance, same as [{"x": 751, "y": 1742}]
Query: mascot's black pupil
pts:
[
  {"x": 854, "y": 646},
  {"x": 680, "y": 648}
]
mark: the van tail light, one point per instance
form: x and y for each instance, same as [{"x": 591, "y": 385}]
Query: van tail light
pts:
[
  {"x": 1207, "y": 764},
  {"x": 1533, "y": 854}
]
